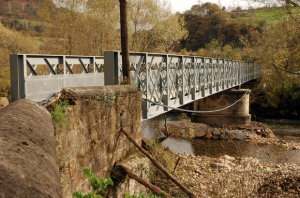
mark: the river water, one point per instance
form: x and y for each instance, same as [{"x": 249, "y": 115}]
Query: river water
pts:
[{"x": 288, "y": 130}]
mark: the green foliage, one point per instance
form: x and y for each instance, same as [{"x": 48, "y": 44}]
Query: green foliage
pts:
[
  {"x": 96, "y": 183},
  {"x": 216, "y": 49},
  {"x": 141, "y": 195},
  {"x": 58, "y": 114},
  {"x": 272, "y": 14},
  {"x": 278, "y": 51}
]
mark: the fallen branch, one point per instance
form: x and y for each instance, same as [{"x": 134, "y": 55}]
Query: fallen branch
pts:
[
  {"x": 177, "y": 162},
  {"x": 158, "y": 165},
  {"x": 153, "y": 188}
]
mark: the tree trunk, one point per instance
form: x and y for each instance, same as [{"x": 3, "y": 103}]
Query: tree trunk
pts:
[{"x": 124, "y": 42}]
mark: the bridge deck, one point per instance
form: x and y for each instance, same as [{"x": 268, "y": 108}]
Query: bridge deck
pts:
[{"x": 172, "y": 80}]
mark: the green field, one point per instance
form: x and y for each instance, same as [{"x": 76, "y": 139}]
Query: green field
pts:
[{"x": 270, "y": 15}]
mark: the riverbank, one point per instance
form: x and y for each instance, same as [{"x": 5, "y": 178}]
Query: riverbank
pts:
[
  {"x": 226, "y": 176},
  {"x": 256, "y": 132},
  {"x": 238, "y": 177},
  {"x": 260, "y": 164}
]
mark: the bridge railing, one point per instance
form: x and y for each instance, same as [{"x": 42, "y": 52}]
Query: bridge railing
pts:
[
  {"x": 176, "y": 80},
  {"x": 35, "y": 77},
  {"x": 172, "y": 80}
]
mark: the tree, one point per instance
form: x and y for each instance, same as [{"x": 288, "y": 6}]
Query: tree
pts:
[
  {"x": 11, "y": 42},
  {"x": 154, "y": 27},
  {"x": 89, "y": 27},
  {"x": 92, "y": 26},
  {"x": 278, "y": 51}
]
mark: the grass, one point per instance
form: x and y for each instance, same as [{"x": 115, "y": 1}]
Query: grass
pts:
[
  {"x": 58, "y": 114},
  {"x": 270, "y": 15}
]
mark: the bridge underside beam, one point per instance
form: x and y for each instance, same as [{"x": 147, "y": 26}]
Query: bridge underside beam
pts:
[{"x": 237, "y": 114}]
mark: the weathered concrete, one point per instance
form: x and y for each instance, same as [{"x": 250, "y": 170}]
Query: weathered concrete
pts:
[
  {"x": 92, "y": 136},
  {"x": 28, "y": 164},
  {"x": 237, "y": 114}
]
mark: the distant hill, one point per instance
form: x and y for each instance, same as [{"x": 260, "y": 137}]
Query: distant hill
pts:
[
  {"x": 21, "y": 15},
  {"x": 25, "y": 9}
]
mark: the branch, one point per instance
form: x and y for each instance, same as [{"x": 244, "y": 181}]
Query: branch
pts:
[
  {"x": 291, "y": 15},
  {"x": 153, "y": 188},
  {"x": 158, "y": 165},
  {"x": 290, "y": 72}
]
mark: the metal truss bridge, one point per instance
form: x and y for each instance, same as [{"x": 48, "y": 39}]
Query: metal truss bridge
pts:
[{"x": 172, "y": 80}]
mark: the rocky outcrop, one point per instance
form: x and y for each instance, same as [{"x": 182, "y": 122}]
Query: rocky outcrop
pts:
[{"x": 28, "y": 163}]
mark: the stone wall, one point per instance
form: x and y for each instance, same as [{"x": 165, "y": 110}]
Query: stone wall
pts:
[
  {"x": 237, "y": 114},
  {"x": 28, "y": 164},
  {"x": 92, "y": 137}
]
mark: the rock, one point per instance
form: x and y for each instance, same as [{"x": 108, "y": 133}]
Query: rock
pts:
[
  {"x": 222, "y": 131},
  {"x": 251, "y": 160},
  {"x": 200, "y": 125},
  {"x": 237, "y": 135},
  {"x": 220, "y": 165},
  {"x": 270, "y": 133},
  {"x": 216, "y": 137},
  {"x": 226, "y": 159},
  {"x": 208, "y": 134},
  {"x": 28, "y": 162},
  {"x": 223, "y": 137},
  {"x": 230, "y": 158},
  {"x": 258, "y": 132},
  {"x": 199, "y": 132},
  {"x": 3, "y": 102},
  {"x": 216, "y": 132}
]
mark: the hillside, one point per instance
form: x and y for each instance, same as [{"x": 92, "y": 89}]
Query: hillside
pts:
[
  {"x": 269, "y": 14},
  {"x": 22, "y": 16},
  {"x": 20, "y": 9}
]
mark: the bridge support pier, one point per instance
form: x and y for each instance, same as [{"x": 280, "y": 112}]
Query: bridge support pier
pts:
[{"x": 237, "y": 114}]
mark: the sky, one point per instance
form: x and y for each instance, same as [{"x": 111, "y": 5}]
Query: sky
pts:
[{"x": 182, "y": 5}]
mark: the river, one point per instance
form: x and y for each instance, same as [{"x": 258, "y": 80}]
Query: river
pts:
[{"x": 288, "y": 130}]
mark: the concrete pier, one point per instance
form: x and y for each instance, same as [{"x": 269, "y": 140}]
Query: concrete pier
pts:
[{"x": 237, "y": 114}]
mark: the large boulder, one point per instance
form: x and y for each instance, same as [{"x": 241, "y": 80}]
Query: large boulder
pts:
[{"x": 28, "y": 163}]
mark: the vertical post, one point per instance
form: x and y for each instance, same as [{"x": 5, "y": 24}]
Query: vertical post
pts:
[
  {"x": 181, "y": 93},
  {"x": 204, "y": 78},
  {"x": 212, "y": 73},
  {"x": 65, "y": 70},
  {"x": 94, "y": 64},
  {"x": 124, "y": 41},
  {"x": 166, "y": 98},
  {"x": 145, "y": 104},
  {"x": 219, "y": 74},
  {"x": 239, "y": 72},
  {"x": 17, "y": 77},
  {"x": 223, "y": 77},
  {"x": 194, "y": 77},
  {"x": 111, "y": 68}
]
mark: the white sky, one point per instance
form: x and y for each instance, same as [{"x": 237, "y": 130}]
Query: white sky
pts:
[{"x": 183, "y": 5}]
